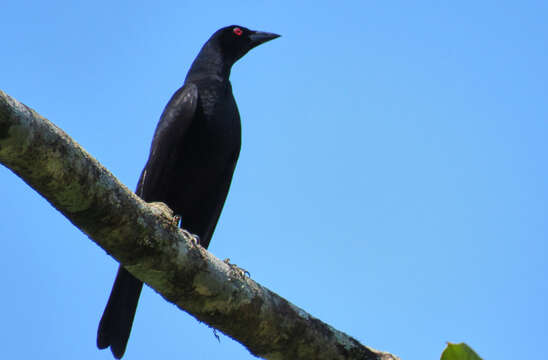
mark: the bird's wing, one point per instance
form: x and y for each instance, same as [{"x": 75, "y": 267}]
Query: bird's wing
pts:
[{"x": 174, "y": 123}]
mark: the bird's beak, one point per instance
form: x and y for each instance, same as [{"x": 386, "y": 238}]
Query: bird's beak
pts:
[{"x": 260, "y": 37}]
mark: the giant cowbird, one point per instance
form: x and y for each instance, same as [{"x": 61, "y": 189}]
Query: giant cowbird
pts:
[{"x": 192, "y": 158}]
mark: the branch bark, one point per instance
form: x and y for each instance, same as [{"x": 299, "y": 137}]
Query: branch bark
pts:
[{"x": 147, "y": 242}]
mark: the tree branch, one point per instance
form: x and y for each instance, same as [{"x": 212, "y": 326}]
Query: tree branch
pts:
[{"x": 147, "y": 242}]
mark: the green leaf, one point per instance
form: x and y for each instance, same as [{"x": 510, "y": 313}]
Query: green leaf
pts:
[{"x": 459, "y": 352}]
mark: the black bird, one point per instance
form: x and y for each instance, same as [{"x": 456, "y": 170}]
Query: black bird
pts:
[{"x": 191, "y": 162}]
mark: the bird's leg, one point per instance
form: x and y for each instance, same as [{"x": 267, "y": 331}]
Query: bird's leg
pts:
[{"x": 237, "y": 270}]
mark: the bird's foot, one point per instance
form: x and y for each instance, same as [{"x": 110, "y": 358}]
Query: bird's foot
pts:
[
  {"x": 176, "y": 220},
  {"x": 195, "y": 239},
  {"x": 240, "y": 272},
  {"x": 160, "y": 208}
]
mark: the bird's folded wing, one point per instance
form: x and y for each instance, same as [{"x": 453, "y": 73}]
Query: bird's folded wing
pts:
[{"x": 170, "y": 132}]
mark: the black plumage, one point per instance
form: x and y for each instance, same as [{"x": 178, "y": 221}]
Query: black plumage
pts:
[{"x": 192, "y": 158}]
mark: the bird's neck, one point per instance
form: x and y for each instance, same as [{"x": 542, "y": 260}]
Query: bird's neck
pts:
[{"x": 210, "y": 63}]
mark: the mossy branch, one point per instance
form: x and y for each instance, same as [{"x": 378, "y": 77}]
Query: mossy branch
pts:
[{"x": 146, "y": 241}]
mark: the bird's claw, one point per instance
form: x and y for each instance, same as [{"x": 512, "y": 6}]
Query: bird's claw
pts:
[
  {"x": 160, "y": 208},
  {"x": 242, "y": 273},
  {"x": 195, "y": 239},
  {"x": 176, "y": 220}
]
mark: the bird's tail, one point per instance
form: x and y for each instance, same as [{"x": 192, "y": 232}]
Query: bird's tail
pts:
[{"x": 117, "y": 319}]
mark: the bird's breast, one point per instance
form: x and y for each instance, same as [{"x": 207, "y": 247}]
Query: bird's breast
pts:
[
  {"x": 213, "y": 140},
  {"x": 219, "y": 125}
]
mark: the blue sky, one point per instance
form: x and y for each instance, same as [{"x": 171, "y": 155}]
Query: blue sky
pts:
[{"x": 392, "y": 179}]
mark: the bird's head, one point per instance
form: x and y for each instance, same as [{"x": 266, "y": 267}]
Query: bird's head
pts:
[
  {"x": 235, "y": 41},
  {"x": 224, "y": 48}
]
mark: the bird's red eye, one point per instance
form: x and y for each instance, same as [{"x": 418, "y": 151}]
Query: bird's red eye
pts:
[{"x": 237, "y": 31}]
